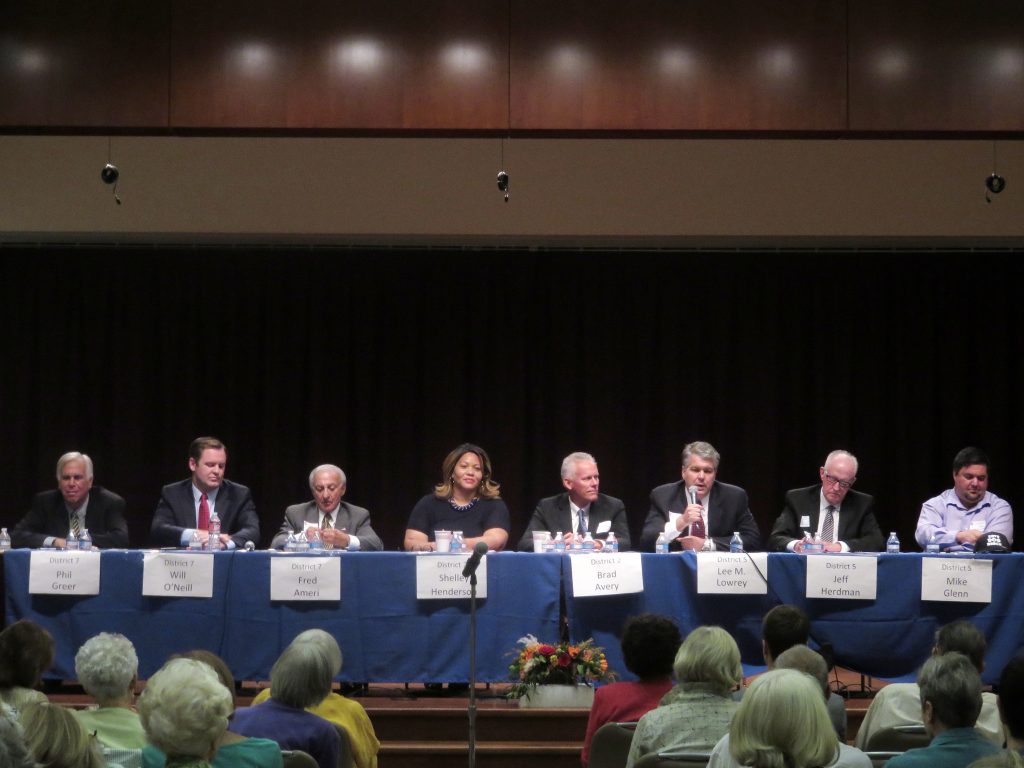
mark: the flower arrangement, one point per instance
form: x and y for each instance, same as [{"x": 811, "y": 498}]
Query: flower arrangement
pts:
[{"x": 538, "y": 663}]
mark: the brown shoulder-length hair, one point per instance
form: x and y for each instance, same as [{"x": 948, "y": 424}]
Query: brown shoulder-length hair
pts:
[
  {"x": 488, "y": 489},
  {"x": 26, "y": 652}
]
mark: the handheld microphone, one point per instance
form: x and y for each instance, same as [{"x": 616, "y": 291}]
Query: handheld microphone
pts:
[
  {"x": 474, "y": 561},
  {"x": 697, "y": 526},
  {"x": 691, "y": 494}
]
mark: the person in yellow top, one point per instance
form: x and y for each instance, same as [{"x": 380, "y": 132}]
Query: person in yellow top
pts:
[{"x": 349, "y": 714}]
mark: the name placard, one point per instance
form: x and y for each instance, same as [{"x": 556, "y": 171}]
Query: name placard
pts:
[
  {"x": 439, "y": 577},
  {"x": 956, "y": 580},
  {"x": 839, "y": 577},
  {"x": 64, "y": 573},
  {"x": 732, "y": 573},
  {"x": 300, "y": 577},
  {"x": 613, "y": 573},
  {"x": 176, "y": 574}
]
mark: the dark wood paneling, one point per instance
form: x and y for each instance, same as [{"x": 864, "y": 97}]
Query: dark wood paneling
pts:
[
  {"x": 84, "y": 63},
  {"x": 669, "y": 65},
  {"x": 403, "y": 64},
  {"x": 937, "y": 66}
]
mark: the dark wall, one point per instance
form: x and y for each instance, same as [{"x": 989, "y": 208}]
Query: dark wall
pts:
[{"x": 382, "y": 361}]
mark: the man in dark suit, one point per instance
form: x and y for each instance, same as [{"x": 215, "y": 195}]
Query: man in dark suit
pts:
[
  {"x": 75, "y": 505},
  {"x": 185, "y": 507},
  {"x": 341, "y": 525},
  {"x": 843, "y": 518},
  {"x": 707, "y": 522},
  {"x": 582, "y": 508}
]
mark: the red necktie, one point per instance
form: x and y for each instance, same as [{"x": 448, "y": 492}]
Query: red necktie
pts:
[{"x": 204, "y": 514}]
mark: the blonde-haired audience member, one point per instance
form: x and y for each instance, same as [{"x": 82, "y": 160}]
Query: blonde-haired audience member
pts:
[
  {"x": 349, "y": 714},
  {"x": 55, "y": 739},
  {"x": 696, "y": 713},
  {"x": 13, "y": 752},
  {"x": 798, "y": 658}
]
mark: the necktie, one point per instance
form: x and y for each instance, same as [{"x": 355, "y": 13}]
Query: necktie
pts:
[
  {"x": 204, "y": 514},
  {"x": 581, "y": 526},
  {"x": 697, "y": 529},
  {"x": 828, "y": 533},
  {"x": 325, "y": 526},
  {"x": 76, "y": 524}
]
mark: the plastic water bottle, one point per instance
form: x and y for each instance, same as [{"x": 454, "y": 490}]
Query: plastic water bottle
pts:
[
  {"x": 933, "y": 545},
  {"x": 289, "y": 543},
  {"x": 588, "y": 544},
  {"x": 71, "y": 540},
  {"x": 316, "y": 542},
  {"x": 215, "y": 542},
  {"x": 735, "y": 543},
  {"x": 5, "y": 540},
  {"x": 892, "y": 546},
  {"x": 196, "y": 542},
  {"x": 458, "y": 541},
  {"x": 85, "y": 540},
  {"x": 559, "y": 542},
  {"x": 813, "y": 545},
  {"x": 661, "y": 545},
  {"x": 611, "y": 544}
]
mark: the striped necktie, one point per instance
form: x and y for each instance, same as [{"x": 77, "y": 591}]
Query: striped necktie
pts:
[{"x": 828, "y": 533}]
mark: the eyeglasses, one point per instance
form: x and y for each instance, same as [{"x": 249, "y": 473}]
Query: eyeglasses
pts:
[{"x": 844, "y": 484}]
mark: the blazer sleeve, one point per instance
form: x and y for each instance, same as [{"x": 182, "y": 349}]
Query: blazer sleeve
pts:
[
  {"x": 165, "y": 530},
  {"x": 369, "y": 541},
  {"x": 869, "y": 537},
  {"x": 112, "y": 533},
  {"x": 737, "y": 508},
  {"x": 538, "y": 522},
  {"x": 31, "y": 530},
  {"x": 244, "y": 524},
  {"x": 786, "y": 527},
  {"x": 620, "y": 524},
  {"x": 291, "y": 524},
  {"x": 654, "y": 524}
]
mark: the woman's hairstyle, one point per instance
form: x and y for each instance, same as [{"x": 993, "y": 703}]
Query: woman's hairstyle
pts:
[
  {"x": 185, "y": 708},
  {"x": 214, "y": 662},
  {"x": 56, "y": 739},
  {"x": 326, "y": 643},
  {"x": 488, "y": 489},
  {"x": 709, "y": 655},
  {"x": 782, "y": 722},
  {"x": 302, "y": 675},
  {"x": 26, "y": 651},
  {"x": 13, "y": 752},
  {"x": 649, "y": 645},
  {"x": 106, "y": 666}
]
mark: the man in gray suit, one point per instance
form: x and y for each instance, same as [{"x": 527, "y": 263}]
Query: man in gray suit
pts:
[{"x": 342, "y": 525}]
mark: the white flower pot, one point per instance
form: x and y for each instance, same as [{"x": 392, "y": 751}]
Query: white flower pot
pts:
[{"x": 565, "y": 696}]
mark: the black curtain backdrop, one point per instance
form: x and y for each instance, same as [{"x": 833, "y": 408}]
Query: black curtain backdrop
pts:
[{"x": 383, "y": 360}]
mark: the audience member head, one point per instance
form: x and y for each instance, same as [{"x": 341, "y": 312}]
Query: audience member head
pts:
[
  {"x": 217, "y": 664},
  {"x": 13, "y": 751},
  {"x": 106, "y": 665},
  {"x": 302, "y": 675},
  {"x": 56, "y": 739},
  {"x": 185, "y": 709},
  {"x": 326, "y": 643},
  {"x": 810, "y": 662},
  {"x": 26, "y": 652},
  {"x": 781, "y": 628},
  {"x": 782, "y": 722},
  {"x": 649, "y": 645},
  {"x": 950, "y": 692},
  {"x": 963, "y": 637},
  {"x": 709, "y": 656},
  {"x": 1011, "y": 700},
  {"x": 1006, "y": 758}
]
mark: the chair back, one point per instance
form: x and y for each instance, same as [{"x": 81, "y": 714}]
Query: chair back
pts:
[
  {"x": 296, "y": 758},
  {"x": 610, "y": 746},
  {"x": 673, "y": 760},
  {"x": 898, "y": 739},
  {"x": 878, "y": 759}
]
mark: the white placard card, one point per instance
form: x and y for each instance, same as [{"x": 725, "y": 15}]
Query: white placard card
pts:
[
  {"x": 732, "y": 573},
  {"x": 300, "y": 577},
  {"x": 842, "y": 577},
  {"x": 956, "y": 580},
  {"x": 177, "y": 574},
  {"x": 52, "y": 572},
  {"x": 613, "y": 573},
  {"x": 439, "y": 577}
]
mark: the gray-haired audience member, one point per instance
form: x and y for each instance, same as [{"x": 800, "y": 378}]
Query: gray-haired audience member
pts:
[
  {"x": 301, "y": 677},
  {"x": 950, "y": 704},
  {"x": 56, "y": 740},
  {"x": 106, "y": 665},
  {"x": 900, "y": 703},
  {"x": 341, "y": 525},
  {"x": 781, "y": 723},
  {"x": 13, "y": 752},
  {"x": 695, "y": 714},
  {"x": 184, "y": 710}
]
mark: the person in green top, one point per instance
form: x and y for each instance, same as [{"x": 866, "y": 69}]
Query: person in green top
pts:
[{"x": 107, "y": 668}]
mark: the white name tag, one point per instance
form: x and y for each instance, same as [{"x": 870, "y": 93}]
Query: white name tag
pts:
[
  {"x": 613, "y": 573},
  {"x": 64, "y": 573},
  {"x": 439, "y": 577},
  {"x": 838, "y": 577},
  {"x": 177, "y": 575},
  {"x": 299, "y": 577},
  {"x": 956, "y": 580},
  {"x": 731, "y": 573}
]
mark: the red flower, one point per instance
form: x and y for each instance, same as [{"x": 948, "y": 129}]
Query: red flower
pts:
[
  {"x": 564, "y": 659},
  {"x": 546, "y": 650}
]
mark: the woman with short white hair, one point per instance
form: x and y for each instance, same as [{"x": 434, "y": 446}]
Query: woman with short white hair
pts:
[
  {"x": 106, "y": 666},
  {"x": 184, "y": 710}
]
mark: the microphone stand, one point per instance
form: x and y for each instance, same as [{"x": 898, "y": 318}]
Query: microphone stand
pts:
[{"x": 472, "y": 670}]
